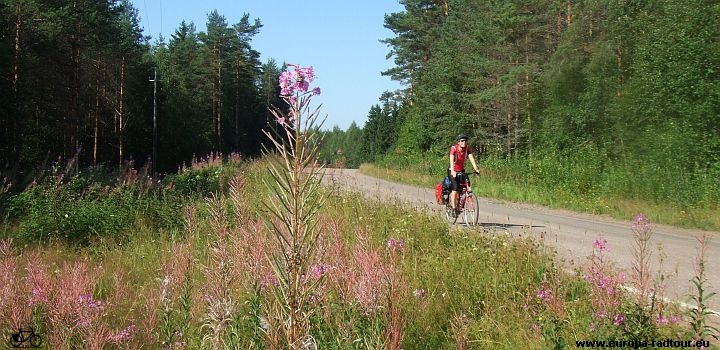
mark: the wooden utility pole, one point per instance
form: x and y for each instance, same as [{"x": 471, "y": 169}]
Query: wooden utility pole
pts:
[
  {"x": 155, "y": 133},
  {"x": 121, "y": 113}
]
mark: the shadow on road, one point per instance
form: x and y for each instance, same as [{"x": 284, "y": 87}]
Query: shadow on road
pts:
[{"x": 497, "y": 225}]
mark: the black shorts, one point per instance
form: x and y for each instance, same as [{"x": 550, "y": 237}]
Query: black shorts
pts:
[{"x": 458, "y": 180}]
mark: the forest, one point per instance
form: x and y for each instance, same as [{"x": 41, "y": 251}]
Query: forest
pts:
[
  {"x": 80, "y": 81},
  {"x": 612, "y": 98},
  {"x": 584, "y": 94}
]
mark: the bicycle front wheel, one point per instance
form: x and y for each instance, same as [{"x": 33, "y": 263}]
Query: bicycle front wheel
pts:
[
  {"x": 36, "y": 341},
  {"x": 450, "y": 214},
  {"x": 471, "y": 210}
]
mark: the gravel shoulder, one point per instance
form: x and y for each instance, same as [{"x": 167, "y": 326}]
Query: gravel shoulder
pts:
[{"x": 569, "y": 234}]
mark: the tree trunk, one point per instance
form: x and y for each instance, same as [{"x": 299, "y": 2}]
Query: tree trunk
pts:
[
  {"x": 527, "y": 101},
  {"x": 219, "y": 108},
  {"x": 237, "y": 106},
  {"x": 121, "y": 114},
  {"x": 16, "y": 62},
  {"x": 96, "y": 122}
]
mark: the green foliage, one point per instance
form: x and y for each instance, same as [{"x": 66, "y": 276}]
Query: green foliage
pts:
[
  {"x": 615, "y": 99},
  {"x": 80, "y": 212},
  {"x": 96, "y": 205},
  {"x": 204, "y": 181}
]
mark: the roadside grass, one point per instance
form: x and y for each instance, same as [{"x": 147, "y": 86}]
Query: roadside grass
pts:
[
  {"x": 389, "y": 277},
  {"x": 509, "y": 186}
]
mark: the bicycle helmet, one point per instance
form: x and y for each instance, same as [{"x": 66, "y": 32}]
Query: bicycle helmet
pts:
[{"x": 461, "y": 137}]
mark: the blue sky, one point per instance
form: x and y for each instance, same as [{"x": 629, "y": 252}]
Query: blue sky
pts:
[{"x": 340, "y": 39}]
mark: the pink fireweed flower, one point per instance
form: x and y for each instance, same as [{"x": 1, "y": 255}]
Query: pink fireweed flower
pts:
[
  {"x": 600, "y": 243},
  {"x": 395, "y": 244},
  {"x": 619, "y": 320},
  {"x": 124, "y": 335},
  {"x": 88, "y": 301},
  {"x": 317, "y": 271},
  {"x": 89, "y": 310},
  {"x": 544, "y": 294},
  {"x": 38, "y": 296},
  {"x": 535, "y": 328},
  {"x": 662, "y": 320},
  {"x": 297, "y": 80},
  {"x": 307, "y": 74},
  {"x": 268, "y": 280},
  {"x": 641, "y": 223}
]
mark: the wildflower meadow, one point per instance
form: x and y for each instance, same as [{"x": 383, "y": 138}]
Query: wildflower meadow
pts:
[{"x": 233, "y": 253}]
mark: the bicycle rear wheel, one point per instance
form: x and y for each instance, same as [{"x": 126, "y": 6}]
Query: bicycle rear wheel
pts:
[{"x": 471, "y": 210}]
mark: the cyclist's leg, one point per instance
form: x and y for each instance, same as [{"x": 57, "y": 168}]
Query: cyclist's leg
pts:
[
  {"x": 460, "y": 192},
  {"x": 453, "y": 192}
]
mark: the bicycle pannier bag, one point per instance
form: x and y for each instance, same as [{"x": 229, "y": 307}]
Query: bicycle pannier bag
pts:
[
  {"x": 439, "y": 193},
  {"x": 447, "y": 182}
]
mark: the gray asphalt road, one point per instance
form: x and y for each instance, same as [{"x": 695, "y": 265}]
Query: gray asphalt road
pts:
[{"x": 570, "y": 234}]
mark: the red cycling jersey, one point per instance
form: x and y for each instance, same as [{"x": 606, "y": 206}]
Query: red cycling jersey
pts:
[{"x": 460, "y": 156}]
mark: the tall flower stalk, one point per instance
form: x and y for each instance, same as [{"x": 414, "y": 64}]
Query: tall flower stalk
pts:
[
  {"x": 642, "y": 232},
  {"x": 293, "y": 207}
]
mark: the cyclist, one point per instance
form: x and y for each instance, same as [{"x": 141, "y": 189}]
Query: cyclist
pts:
[{"x": 459, "y": 152}]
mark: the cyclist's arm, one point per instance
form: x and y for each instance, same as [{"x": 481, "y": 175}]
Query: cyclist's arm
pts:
[
  {"x": 472, "y": 160},
  {"x": 452, "y": 163}
]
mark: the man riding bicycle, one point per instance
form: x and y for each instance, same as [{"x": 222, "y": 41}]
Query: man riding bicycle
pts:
[{"x": 459, "y": 153}]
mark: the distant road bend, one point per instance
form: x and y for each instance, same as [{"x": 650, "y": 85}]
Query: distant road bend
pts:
[{"x": 570, "y": 234}]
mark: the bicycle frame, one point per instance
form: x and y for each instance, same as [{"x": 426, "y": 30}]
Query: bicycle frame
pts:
[
  {"x": 462, "y": 194},
  {"x": 25, "y": 335}
]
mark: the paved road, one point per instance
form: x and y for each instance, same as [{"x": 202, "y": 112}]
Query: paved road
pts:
[{"x": 570, "y": 234}]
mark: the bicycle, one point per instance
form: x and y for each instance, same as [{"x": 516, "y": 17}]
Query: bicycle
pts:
[
  {"x": 23, "y": 335},
  {"x": 467, "y": 204}
]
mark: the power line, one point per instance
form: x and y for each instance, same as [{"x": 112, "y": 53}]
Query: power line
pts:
[
  {"x": 161, "y": 19},
  {"x": 147, "y": 15}
]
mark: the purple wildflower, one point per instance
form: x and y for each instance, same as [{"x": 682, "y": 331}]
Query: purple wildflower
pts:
[
  {"x": 124, "y": 335},
  {"x": 641, "y": 223},
  {"x": 297, "y": 80},
  {"x": 317, "y": 271},
  {"x": 88, "y": 301},
  {"x": 395, "y": 244},
  {"x": 619, "y": 320},
  {"x": 544, "y": 294},
  {"x": 600, "y": 243},
  {"x": 38, "y": 296}
]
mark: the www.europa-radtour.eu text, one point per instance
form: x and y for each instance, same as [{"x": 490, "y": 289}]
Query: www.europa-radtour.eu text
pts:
[{"x": 636, "y": 344}]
